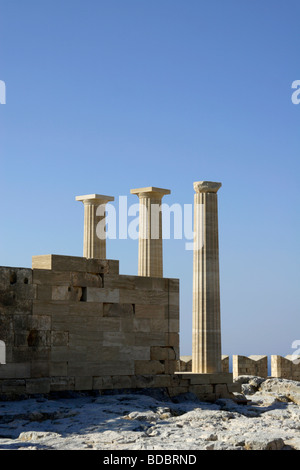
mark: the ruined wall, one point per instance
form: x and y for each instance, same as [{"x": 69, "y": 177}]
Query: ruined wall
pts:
[
  {"x": 287, "y": 367},
  {"x": 76, "y": 324},
  {"x": 251, "y": 365}
]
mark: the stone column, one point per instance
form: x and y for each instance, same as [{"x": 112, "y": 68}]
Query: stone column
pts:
[
  {"x": 93, "y": 246},
  {"x": 150, "y": 231},
  {"x": 206, "y": 340}
]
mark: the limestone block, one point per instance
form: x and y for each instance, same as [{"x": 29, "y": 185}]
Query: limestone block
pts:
[
  {"x": 148, "y": 367},
  {"x": 170, "y": 367},
  {"x": 159, "y": 324},
  {"x": 173, "y": 285},
  {"x": 13, "y": 386},
  {"x": 162, "y": 380},
  {"x": 39, "y": 322},
  {"x": 66, "y": 354},
  {"x": 83, "y": 279},
  {"x": 103, "y": 266},
  {"x": 172, "y": 312},
  {"x": 50, "y": 308},
  {"x": 159, "y": 283},
  {"x": 59, "y": 338},
  {"x": 84, "y": 383},
  {"x": 134, "y": 353},
  {"x": 144, "y": 380},
  {"x": 159, "y": 353},
  {"x": 38, "y": 385},
  {"x": 115, "y": 281},
  {"x": 221, "y": 391},
  {"x": 150, "y": 339},
  {"x": 144, "y": 283},
  {"x": 58, "y": 369},
  {"x": 24, "y": 353},
  {"x": 142, "y": 297},
  {"x": 44, "y": 292},
  {"x": 10, "y": 276},
  {"x": 84, "y": 339},
  {"x": 149, "y": 311},
  {"x": 124, "y": 381},
  {"x": 94, "y": 294},
  {"x": 66, "y": 293},
  {"x": 97, "y": 383},
  {"x": 59, "y": 263},
  {"x": 142, "y": 324},
  {"x": 173, "y": 326},
  {"x": 116, "y": 338},
  {"x": 58, "y": 384},
  {"x": 225, "y": 363},
  {"x": 234, "y": 387},
  {"x": 202, "y": 390},
  {"x": 39, "y": 369},
  {"x": 98, "y": 369},
  {"x": 281, "y": 367},
  {"x": 84, "y": 309},
  {"x": 96, "y": 352},
  {"x": 20, "y": 339},
  {"x": 51, "y": 278},
  {"x": 15, "y": 371},
  {"x": 20, "y": 322},
  {"x": 118, "y": 310},
  {"x": 172, "y": 339},
  {"x": 252, "y": 365}
]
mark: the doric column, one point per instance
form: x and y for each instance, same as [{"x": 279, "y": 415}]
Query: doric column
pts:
[
  {"x": 150, "y": 231},
  {"x": 206, "y": 289},
  {"x": 93, "y": 246}
]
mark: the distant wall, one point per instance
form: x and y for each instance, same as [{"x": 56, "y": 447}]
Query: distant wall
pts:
[
  {"x": 287, "y": 367},
  {"x": 252, "y": 365}
]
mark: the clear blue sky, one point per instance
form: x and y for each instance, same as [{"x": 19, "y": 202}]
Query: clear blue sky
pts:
[{"x": 199, "y": 89}]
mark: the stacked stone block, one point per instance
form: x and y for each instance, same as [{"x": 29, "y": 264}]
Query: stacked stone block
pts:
[
  {"x": 287, "y": 367},
  {"x": 75, "y": 323},
  {"x": 252, "y": 365}
]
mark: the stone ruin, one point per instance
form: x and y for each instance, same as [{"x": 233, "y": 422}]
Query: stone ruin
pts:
[{"x": 76, "y": 324}]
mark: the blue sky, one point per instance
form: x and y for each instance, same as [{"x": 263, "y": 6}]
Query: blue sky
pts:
[{"x": 108, "y": 95}]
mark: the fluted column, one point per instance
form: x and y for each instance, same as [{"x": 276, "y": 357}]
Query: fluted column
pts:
[
  {"x": 150, "y": 231},
  {"x": 93, "y": 246},
  {"x": 206, "y": 340}
]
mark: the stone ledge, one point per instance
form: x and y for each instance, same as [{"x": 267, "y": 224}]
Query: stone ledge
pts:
[{"x": 75, "y": 263}]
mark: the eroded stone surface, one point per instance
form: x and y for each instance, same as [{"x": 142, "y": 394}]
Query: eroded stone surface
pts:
[{"x": 141, "y": 421}]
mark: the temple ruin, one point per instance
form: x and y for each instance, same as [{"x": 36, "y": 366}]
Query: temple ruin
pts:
[{"x": 75, "y": 323}]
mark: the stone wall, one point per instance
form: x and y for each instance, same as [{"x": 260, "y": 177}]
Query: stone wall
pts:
[
  {"x": 251, "y": 365},
  {"x": 75, "y": 323},
  {"x": 287, "y": 367}
]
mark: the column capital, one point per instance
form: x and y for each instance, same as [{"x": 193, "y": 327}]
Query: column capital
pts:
[
  {"x": 95, "y": 199},
  {"x": 206, "y": 186},
  {"x": 151, "y": 192}
]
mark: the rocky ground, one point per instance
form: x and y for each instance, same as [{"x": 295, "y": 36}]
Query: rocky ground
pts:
[{"x": 269, "y": 421}]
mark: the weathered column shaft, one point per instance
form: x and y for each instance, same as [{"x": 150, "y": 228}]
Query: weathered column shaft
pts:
[
  {"x": 94, "y": 246},
  {"x": 150, "y": 261},
  {"x": 206, "y": 289}
]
